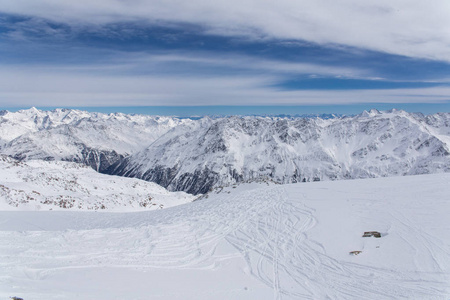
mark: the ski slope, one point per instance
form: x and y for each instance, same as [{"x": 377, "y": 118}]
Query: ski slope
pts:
[{"x": 253, "y": 241}]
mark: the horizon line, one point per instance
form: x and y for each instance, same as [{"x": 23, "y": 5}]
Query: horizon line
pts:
[{"x": 227, "y": 110}]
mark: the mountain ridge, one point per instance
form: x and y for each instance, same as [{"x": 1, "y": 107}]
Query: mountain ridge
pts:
[{"x": 241, "y": 149}]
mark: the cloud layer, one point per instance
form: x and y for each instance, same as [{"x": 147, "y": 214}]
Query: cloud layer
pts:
[
  {"x": 246, "y": 52},
  {"x": 411, "y": 28},
  {"x": 64, "y": 87}
]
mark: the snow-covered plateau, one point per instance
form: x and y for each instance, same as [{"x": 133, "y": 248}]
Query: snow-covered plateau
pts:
[{"x": 250, "y": 241}]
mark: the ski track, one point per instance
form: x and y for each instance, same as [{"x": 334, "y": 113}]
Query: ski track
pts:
[{"x": 269, "y": 228}]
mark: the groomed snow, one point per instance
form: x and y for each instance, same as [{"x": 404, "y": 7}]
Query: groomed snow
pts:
[{"x": 253, "y": 241}]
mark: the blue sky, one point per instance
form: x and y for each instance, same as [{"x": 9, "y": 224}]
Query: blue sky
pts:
[{"x": 314, "y": 56}]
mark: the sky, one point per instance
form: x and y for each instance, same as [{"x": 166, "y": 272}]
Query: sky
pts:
[{"x": 289, "y": 55}]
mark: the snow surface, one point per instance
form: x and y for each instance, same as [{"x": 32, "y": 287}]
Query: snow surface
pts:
[
  {"x": 43, "y": 185},
  {"x": 253, "y": 241}
]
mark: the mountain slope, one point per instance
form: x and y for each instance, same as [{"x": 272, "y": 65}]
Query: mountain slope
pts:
[
  {"x": 220, "y": 152},
  {"x": 41, "y": 185}
]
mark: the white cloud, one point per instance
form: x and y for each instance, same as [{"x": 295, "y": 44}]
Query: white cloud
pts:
[
  {"x": 237, "y": 63},
  {"x": 414, "y": 28},
  {"x": 169, "y": 78},
  {"x": 195, "y": 63}
]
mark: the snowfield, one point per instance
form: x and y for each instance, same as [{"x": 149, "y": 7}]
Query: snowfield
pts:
[{"x": 253, "y": 241}]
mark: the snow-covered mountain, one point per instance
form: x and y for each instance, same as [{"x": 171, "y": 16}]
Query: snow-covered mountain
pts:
[
  {"x": 95, "y": 139},
  {"x": 13, "y": 125},
  {"x": 197, "y": 156},
  {"x": 43, "y": 185}
]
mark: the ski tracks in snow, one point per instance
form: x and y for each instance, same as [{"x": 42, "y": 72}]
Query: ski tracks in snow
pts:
[
  {"x": 272, "y": 241},
  {"x": 269, "y": 228},
  {"x": 281, "y": 252}
]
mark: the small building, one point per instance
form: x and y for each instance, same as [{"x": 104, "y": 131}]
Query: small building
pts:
[{"x": 372, "y": 233}]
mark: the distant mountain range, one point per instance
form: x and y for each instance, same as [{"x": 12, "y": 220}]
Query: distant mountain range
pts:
[
  {"x": 95, "y": 139},
  {"x": 195, "y": 155}
]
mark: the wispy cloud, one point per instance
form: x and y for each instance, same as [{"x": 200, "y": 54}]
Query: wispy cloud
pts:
[{"x": 59, "y": 87}]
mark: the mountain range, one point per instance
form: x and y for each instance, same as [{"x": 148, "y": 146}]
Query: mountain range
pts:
[{"x": 196, "y": 155}]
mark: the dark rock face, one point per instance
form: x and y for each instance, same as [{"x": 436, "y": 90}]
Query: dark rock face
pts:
[
  {"x": 99, "y": 160},
  {"x": 199, "y": 182}
]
